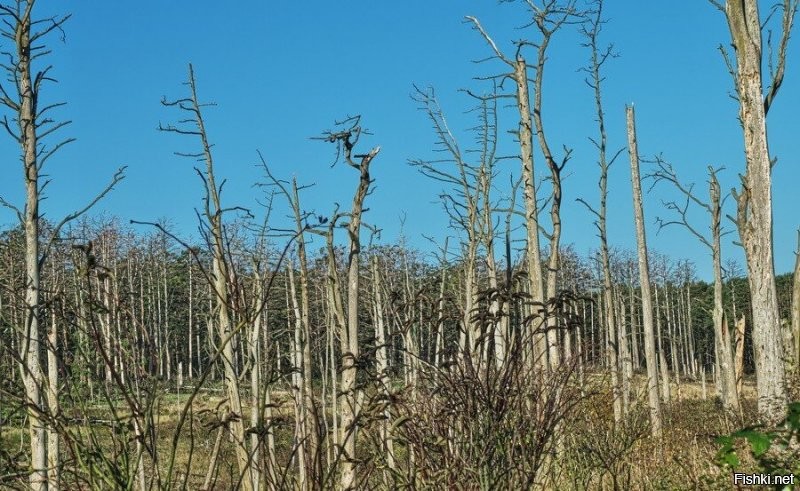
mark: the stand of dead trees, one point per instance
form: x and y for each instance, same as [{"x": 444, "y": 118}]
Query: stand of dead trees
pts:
[{"x": 299, "y": 351}]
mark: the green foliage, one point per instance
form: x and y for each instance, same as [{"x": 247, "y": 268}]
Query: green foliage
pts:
[{"x": 772, "y": 451}]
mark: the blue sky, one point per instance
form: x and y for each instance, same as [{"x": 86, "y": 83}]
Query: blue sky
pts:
[{"x": 282, "y": 72}]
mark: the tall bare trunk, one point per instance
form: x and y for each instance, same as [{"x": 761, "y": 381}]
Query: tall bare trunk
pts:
[
  {"x": 533, "y": 254},
  {"x": 300, "y": 434},
  {"x": 626, "y": 367},
  {"x": 349, "y": 394},
  {"x": 554, "y": 259},
  {"x": 220, "y": 276},
  {"x": 30, "y": 345},
  {"x": 538, "y": 350},
  {"x": 644, "y": 279},
  {"x": 739, "y": 359},
  {"x": 382, "y": 367},
  {"x": 53, "y": 440},
  {"x": 754, "y": 200},
  {"x": 722, "y": 337},
  {"x": 439, "y": 348},
  {"x": 662, "y": 359},
  {"x": 311, "y": 418},
  {"x": 796, "y": 307},
  {"x": 257, "y": 390},
  {"x": 595, "y": 81}
]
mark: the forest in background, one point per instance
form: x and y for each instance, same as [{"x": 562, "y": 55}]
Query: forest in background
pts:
[{"x": 300, "y": 352}]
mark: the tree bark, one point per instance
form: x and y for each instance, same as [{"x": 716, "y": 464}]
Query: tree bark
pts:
[
  {"x": 796, "y": 307},
  {"x": 532, "y": 250},
  {"x": 754, "y": 210},
  {"x": 662, "y": 359},
  {"x": 30, "y": 345},
  {"x": 609, "y": 318},
  {"x": 739, "y": 360},
  {"x": 644, "y": 279},
  {"x": 382, "y": 367},
  {"x": 726, "y": 374},
  {"x": 220, "y": 277},
  {"x": 300, "y": 434},
  {"x": 53, "y": 439},
  {"x": 348, "y": 333}
]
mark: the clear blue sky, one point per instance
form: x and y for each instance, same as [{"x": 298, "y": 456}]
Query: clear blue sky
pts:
[{"x": 282, "y": 72}]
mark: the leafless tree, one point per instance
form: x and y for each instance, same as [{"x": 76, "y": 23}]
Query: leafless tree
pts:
[
  {"x": 308, "y": 450},
  {"x": 754, "y": 198},
  {"x": 599, "y": 56},
  {"x": 644, "y": 279},
  {"x": 519, "y": 74},
  {"x": 796, "y": 307},
  {"x": 34, "y": 124},
  {"x": 722, "y": 337},
  {"x": 349, "y": 394},
  {"x": 221, "y": 274}
]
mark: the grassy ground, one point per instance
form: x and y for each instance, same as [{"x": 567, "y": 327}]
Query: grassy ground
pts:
[{"x": 594, "y": 456}]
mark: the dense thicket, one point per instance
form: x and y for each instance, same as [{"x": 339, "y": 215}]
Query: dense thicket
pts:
[
  {"x": 152, "y": 312},
  {"x": 302, "y": 352}
]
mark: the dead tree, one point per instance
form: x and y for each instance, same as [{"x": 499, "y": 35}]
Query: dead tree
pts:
[
  {"x": 349, "y": 394},
  {"x": 467, "y": 203},
  {"x": 34, "y": 123},
  {"x": 548, "y": 19},
  {"x": 519, "y": 74},
  {"x": 796, "y": 307},
  {"x": 644, "y": 279},
  {"x": 221, "y": 273},
  {"x": 382, "y": 365},
  {"x": 754, "y": 198},
  {"x": 722, "y": 337},
  {"x": 308, "y": 449},
  {"x": 591, "y": 30}
]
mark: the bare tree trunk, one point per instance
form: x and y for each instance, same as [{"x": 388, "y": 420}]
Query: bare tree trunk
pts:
[
  {"x": 30, "y": 343},
  {"x": 662, "y": 359},
  {"x": 726, "y": 374},
  {"x": 409, "y": 333},
  {"x": 469, "y": 333},
  {"x": 220, "y": 276},
  {"x": 336, "y": 433},
  {"x": 754, "y": 210},
  {"x": 257, "y": 397},
  {"x": 644, "y": 278},
  {"x": 472, "y": 184},
  {"x": 690, "y": 329},
  {"x": 626, "y": 367},
  {"x": 796, "y": 307},
  {"x": 595, "y": 82},
  {"x": 532, "y": 251},
  {"x": 53, "y": 443},
  {"x": 168, "y": 353},
  {"x": 348, "y": 332},
  {"x": 311, "y": 419},
  {"x": 636, "y": 360},
  {"x": 301, "y": 437},
  {"x": 382, "y": 368},
  {"x": 309, "y": 446},
  {"x": 609, "y": 317},
  {"x": 739, "y": 360},
  {"x": 554, "y": 259},
  {"x": 496, "y": 307},
  {"x": 538, "y": 352},
  {"x": 673, "y": 358},
  {"x": 438, "y": 352},
  {"x": 723, "y": 356},
  {"x": 230, "y": 372}
]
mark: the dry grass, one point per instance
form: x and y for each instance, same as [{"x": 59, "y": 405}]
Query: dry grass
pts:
[{"x": 593, "y": 455}]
